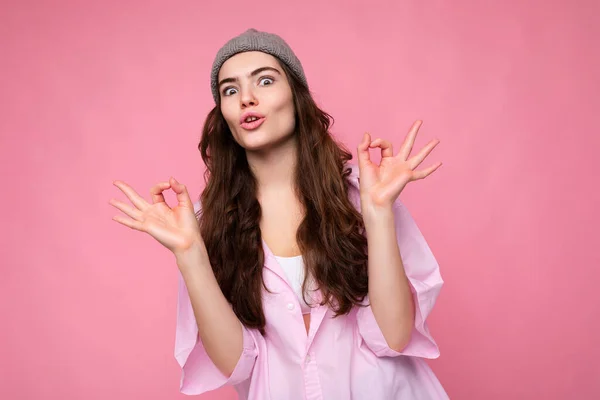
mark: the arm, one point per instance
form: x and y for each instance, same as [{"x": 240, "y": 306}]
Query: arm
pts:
[
  {"x": 219, "y": 328},
  {"x": 423, "y": 275},
  {"x": 402, "y": 287},
  {"x": 203, "y": 314},
  {"x": 389, "y": 289}
]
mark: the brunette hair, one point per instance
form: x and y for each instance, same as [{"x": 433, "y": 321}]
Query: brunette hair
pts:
[{"x": 330, "y": 237}]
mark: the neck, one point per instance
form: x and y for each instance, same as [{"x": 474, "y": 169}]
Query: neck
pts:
[{"x": 274, "y": 169}]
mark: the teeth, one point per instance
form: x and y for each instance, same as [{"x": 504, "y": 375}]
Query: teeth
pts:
[{"x": 250, "y": 119}]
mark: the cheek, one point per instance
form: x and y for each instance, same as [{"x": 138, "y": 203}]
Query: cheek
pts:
[
  {"x": 292, "y": 117},
  {"x": 230, "y": 119},
  {"x": 286, "y": 110},
  {"x": 227, "y": 114}
]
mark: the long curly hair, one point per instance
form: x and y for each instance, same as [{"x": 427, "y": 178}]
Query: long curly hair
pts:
[{"x": 331, "y": 235}]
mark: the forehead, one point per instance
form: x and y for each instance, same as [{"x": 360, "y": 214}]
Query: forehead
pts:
[{"x": 242, "y": 64}]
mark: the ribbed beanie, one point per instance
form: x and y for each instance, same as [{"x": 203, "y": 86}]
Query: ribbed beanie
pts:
[{"x": 253, "y": 40}]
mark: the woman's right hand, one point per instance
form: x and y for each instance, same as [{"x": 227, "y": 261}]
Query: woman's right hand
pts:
[{"x": 175, "y": 228}]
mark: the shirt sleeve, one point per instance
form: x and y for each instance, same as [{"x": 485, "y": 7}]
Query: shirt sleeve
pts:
[
  {"x": 423, "y": 273},
  {"x": 199, "y": 373}
]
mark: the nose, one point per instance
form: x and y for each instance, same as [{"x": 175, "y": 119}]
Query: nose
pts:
[{"x": 248, "y": 99}]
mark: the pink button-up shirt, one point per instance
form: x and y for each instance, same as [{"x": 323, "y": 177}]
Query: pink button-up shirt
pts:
[{"x": 346, "y": 358}]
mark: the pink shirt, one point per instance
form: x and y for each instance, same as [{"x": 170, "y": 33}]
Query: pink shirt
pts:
[{"x": 346, "y": 358}]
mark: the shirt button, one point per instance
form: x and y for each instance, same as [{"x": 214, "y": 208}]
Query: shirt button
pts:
[
  {"x": 290, "y": 306},
  {"x": 307, "y": 359}
]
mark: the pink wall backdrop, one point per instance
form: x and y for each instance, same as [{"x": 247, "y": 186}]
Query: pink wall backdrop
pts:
[{"x": 96, "y": 91}]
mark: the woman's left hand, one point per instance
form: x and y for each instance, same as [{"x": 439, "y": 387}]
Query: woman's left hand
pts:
[{"x": 381, "y": 184}]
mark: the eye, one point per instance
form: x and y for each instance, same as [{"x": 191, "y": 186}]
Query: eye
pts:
[
  {"x": 227, "y": 92},
  {"x": 267, "y": 79}
]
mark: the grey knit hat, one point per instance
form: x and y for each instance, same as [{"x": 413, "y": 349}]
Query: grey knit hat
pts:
[{"x": 253, "y": 40}]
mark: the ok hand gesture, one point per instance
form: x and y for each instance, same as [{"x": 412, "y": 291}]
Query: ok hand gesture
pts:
[
  {"x": 175, "y": 228},
  {"x": 381, "y": 184}
]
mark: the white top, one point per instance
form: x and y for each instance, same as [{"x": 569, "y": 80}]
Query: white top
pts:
[{"x": 294, "y": 272}]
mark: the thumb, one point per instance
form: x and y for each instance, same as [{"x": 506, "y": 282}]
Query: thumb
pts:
[
  {"x": 183, "y": 198},
  {"x": 362, "y": 151}
]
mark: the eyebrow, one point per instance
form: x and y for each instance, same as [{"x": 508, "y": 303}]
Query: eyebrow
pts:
[{"x": 253, "y": 73}]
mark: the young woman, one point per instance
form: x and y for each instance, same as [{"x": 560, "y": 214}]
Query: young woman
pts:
[{"x": 301, "y": 276}]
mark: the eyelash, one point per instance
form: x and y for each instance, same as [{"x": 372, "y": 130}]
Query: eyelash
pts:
[{"x": 261, "y": 78}]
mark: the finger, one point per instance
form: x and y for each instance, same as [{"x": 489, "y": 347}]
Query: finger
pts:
[
  {"x": 426, "y": 172},
  {"x": 156, "y": 192},
  {"x": 415, "y": 161},
  {"x": 126, "y": 208},
  {"x": 132, "y": 195},
  {"x": 409, "y": 142},
  {"x": 362, "y": 151},
  {"x": 387, "y": 149},
  {"x": 131, "y": 223},
  {"x": 183, "y": 198}
]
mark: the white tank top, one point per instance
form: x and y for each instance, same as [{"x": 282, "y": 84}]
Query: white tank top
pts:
[{"x": 294, "y": 272}]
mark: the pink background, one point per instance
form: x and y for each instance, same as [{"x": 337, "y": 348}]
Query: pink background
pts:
[{"x": 91, "y": 92}]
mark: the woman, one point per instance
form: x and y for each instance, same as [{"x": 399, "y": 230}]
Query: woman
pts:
[{"x": 301, "y": 276}]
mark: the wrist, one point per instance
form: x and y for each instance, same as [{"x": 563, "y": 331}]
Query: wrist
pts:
[
  {"x": 191, "y": 255},
  {"x": 374, "y": 214}
]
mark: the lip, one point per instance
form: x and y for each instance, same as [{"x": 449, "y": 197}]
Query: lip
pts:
[
  {"x": 250, "y": 114},
  {"x": 253, "y": 124}
]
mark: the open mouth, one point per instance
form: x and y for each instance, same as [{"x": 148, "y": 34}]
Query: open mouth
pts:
[{"x": 251, "y": 123}]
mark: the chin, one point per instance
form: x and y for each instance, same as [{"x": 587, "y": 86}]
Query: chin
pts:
[
  {"x": 261, "y": 139},
  {"x": 255, "y": 140}
]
